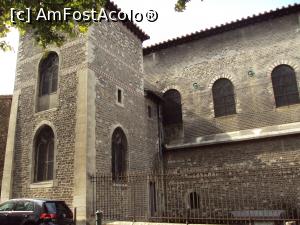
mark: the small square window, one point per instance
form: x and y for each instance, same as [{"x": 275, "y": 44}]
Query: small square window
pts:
[
  {"x": 149, "y": 111},
  {"x": 120, "y": 96}
]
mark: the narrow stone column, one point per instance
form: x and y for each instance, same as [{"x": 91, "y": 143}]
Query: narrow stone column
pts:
[
  {"x": 85, "y": 152},
  {"x": 7, "y": 180}
]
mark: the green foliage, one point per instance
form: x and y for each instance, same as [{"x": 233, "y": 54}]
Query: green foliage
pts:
[
  {"x": 45, "y": 32},
  {"x": 54, "y": 32},
  {"x": 180, "y": 5}
]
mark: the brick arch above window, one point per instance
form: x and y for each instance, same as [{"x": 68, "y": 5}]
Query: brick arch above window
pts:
[
  {"x": 45, "y": 123},
  {"x": 114, "y": 126},
  {"x": 282, "y": 62},
  {"x": 226, "y": 76},
  {"x": 169, "y": 87}
]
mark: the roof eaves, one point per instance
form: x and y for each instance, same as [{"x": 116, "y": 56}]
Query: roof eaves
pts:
[
  {"x": 110, "y": 5},
  {"x": 223, "y": 28}
]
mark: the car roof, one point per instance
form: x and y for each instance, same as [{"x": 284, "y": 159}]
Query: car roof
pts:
[{"x": 39, "y": 200}]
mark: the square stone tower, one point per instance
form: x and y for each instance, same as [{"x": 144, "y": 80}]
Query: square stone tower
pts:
[{"x": 72, "y": 107}]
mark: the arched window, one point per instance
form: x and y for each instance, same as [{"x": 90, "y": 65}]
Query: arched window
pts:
[
  {"x": 223, "y": 97},
  {"x": 285, "y": 86},
  {"x": 194, "y": 200},
  {"x": 119, "y": 154},
  {"x": 48, "y": 74},
  {"x": 172, "y": 111},
  {"x": 44, "y": 155}
]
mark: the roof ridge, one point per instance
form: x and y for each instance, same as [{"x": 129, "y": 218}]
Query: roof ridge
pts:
[
  {"x": 223, "y": 27},
  {"x": 133, "y": 27}
]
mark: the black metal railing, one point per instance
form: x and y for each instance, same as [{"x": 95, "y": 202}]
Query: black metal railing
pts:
[{"x": 214, "y": 196}]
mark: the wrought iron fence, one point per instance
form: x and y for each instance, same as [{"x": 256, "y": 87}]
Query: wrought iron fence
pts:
[{"x": 220, "y": 197}]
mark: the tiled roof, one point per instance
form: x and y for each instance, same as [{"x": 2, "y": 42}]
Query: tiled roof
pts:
[
  {"x": 224, "y": 28},
  {"x": 5, "y": 96},
  {"x": 110, "y": 5}
]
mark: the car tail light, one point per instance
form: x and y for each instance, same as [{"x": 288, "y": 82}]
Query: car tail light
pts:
[{"x": 45, "y": 216}]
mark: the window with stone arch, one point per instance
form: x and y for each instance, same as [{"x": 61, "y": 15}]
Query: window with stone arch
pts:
[
  {"x": 119, "y": 155},
  {"x": 285, "y": 86},
  {"x": 223, "y": 97},
  {"x": 48, "y": 74},
  {"x": 44, "y": 154},
  {"x": 172, "y": 108}
]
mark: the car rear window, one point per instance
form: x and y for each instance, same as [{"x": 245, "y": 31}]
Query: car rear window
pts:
[
  {"x": 59, "y": 208},
  {"x": 25, "y": 206}
]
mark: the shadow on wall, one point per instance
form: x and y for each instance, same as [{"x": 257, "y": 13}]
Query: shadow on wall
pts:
[
  {"x": 276, "y": 152},
  {"x": 177, "y": 130},
  {"x": 191, "y": 129},
  {"x": 196, "y": 126}
]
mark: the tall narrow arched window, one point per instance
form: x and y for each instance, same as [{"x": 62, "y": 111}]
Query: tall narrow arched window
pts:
[
  {"x": 48, "y": 74},
  {"x": 285, "y": 86},
  {"x": 172, "y": 110},
  {"x": 223, "y": 97},
  {"x": 44, "y": 155},
  {"x": 119, "y": 154},
  {"x": 194, "y": 200}
]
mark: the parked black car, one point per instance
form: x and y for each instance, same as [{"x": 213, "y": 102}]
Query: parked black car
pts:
[{"x": 35, "y": 212}]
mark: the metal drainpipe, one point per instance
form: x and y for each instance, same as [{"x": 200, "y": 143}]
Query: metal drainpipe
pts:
[{"x": 160, "y": 137}]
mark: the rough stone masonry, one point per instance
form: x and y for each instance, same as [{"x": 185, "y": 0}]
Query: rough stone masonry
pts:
[{"x": 107, "y": 81}]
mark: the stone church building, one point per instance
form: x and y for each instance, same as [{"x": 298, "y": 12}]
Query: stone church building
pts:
[{"x": 221, "y": 98}]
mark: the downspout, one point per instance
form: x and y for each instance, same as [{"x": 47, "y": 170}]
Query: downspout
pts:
[{"x": 160, "y": 137}]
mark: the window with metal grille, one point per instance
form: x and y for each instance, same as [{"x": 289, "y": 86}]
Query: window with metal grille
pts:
[
  {"x": 44, "y": 155},
  {"x": 48, "y": 73},
  {"x": 223, "y": 97},
  {"x": 172, "y": 109},
  {"x": 194, "y": 200},
  {"x": 285, "y": 86},
  {"x": 119, "y": 155}
]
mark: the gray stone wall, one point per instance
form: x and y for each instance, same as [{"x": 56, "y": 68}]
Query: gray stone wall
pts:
[
  {"x": 265, "y": 153},
  {"x": 228, "y": 170},
  {"x": 5, "y": 104},
  {"x": 260, "y": 48},
  {"x": 115, "y": 57},
  {"x": 250, "y": 175},
  {"x": 112, "y": 56},
  {"x": 62, "y": 118}
]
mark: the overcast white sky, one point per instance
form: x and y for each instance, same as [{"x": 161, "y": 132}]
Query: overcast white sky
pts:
[{"x": 170, "y": 24}]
